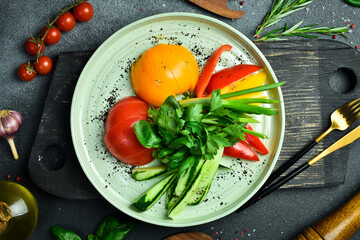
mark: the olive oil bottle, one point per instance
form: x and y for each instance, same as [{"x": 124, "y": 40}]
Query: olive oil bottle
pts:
[{"x": 18, "y": 211}]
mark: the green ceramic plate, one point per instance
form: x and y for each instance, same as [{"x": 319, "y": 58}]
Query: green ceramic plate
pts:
[{"x": 106, "y": 79}]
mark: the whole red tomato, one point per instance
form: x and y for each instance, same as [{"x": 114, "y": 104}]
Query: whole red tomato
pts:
[
  {"x": 32, "y": 46},
  {"x": 120, "y": 138},
  {"x": 66, "y": 22},
  {"x": 120, "y": 111},
  {"x": 43, "y": 65},
  {"x": 83, "y": 12},
  {"x": 26, "y": 72},
  {"x": 52, "y": 36}
]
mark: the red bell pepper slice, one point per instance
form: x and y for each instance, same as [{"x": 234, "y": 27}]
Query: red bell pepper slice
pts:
[
  {"x": 255, "y": 142},
  {"x": 241, "y": 150},
  {"x": 229, "y": 75},
  {"x": 209, "y": 69}
]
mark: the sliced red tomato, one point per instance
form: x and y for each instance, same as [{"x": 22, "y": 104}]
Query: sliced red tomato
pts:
[
  {"x": 209, "y": 69},
  {"x": 255, "y": 142},
  {"x": 241, "y": 150},
  {"x": 230, "y": 75},
  {"x": 120, "y": 138},
  {"x": 126, "y": 108}
]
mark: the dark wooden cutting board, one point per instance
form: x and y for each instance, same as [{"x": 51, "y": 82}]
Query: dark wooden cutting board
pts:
[{"x": 321, "y": 75}]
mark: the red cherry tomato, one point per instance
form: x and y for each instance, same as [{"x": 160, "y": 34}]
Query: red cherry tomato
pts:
[
  {"x": 83, "y": 12},
  {"x": 26, "y": 72},
  {"x": 43, "y": 65},
  {"x": 241, "y": 150},
  {"x": 32, "y": 46},
  {"x": 120, "y": 138},
  {"x": 53, "y": 35},
  {"x": 66, "y": 22}
]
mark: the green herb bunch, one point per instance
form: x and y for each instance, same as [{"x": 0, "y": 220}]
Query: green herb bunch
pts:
[
  {"x": 183, "y": 132},
  {"x": 306, "y": 31},
  {"x": 283, "y": 8},
  {"x": 279, "y": 10}
]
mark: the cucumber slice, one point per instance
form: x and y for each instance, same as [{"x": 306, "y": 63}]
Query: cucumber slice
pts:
[
  {"x": 146, "y": 200},
  {"x": 145, "y": 173},
  {"x": 201, "y": 180},
  {"x": 203, "y": 187},
  {"x": 184, "y": 182}
]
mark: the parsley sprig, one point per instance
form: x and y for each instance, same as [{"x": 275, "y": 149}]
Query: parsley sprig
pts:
[
  {"x": 279, "y": 10},
  {"x": 306, "y": 31}
]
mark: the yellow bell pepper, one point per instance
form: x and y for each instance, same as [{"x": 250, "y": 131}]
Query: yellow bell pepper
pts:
[{"x": 251, "y": 81}]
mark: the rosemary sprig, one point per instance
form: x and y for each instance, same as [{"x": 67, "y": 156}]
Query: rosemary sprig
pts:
[
  {"x": 279, "y": 10},
  {"x": 296, "y": 30}
]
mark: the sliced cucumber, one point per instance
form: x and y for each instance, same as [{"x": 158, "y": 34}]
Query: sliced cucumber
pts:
[
  {"x": 169, "y": 194},
  {"x": 145, "y": 173},
  {"x": 184, "y": 182},
  {"x": 207, "y": 177},
  {"x": 201, "y": 180},
  {"x": 146, "y": 200}
]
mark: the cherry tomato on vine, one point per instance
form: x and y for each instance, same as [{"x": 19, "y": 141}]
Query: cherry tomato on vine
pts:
[
  {"x": 83, "y": 12},
  {"x": 43, "y": 65},
  {"x": 32, "y": 46},
  {"x": 26, "y": 72},
  {"x": 52, "y": 36},
  {"x": 66, "y": 22}
]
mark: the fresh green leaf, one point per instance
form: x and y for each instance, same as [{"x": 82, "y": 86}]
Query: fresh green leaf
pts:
[
  {"x": 221, "y": 140},
  {"x": 215, "y": 101},
  {"x": 194, "y": 113},
  {"x": 112, "y": 229},
  {"x": 180, "y": 154},
  {"x": 194, "y": 127},
  {"x": 146, "y": 134},
  {"x": 236, "y": 130},
  {"x": 63, "y": 234},
  {"x": 186, "y": 141},
  {"x": 163, "y": 152},
  {"x": 172, "y": 107},
  {"x": 93, "y": 237},
  {"x": 211, "y": 146}
]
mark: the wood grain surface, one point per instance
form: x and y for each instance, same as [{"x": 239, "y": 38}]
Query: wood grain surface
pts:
[
  {"x": 307, "y": 66},
  {"x": 317, "y": 83}
]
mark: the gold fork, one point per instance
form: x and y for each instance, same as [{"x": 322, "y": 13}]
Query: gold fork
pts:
[{"x": 341, "y": 119}]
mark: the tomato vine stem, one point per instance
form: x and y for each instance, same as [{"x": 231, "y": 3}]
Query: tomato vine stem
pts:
[{"x": 62, "y": 11}]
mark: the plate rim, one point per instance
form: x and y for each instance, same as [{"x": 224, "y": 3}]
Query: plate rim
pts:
[{"x": 77, "y": 139}]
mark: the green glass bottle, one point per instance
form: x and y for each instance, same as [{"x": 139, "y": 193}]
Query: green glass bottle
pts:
[{"x": 18, "y": 211}]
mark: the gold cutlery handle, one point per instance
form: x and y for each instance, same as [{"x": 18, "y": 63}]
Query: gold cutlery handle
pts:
[{"x": 324, "y": 134}]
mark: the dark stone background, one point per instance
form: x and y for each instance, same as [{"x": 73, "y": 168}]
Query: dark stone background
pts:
[{"x": 282, "y": 215}]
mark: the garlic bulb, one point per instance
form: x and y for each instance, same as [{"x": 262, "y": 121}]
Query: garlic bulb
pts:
[{"x": 10, "y": 122}]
